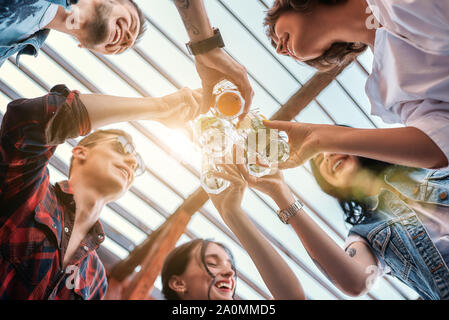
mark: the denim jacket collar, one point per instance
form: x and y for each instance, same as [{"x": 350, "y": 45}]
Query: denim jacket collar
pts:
[{"x": 422, "y": 185}]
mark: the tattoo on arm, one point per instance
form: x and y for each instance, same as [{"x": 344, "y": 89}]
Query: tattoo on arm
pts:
[
  {"x": 182, "y": 6},
  {"x": 351, "y": 252}
]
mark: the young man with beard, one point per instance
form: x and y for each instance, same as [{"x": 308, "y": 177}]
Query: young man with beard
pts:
[
  {"x": 49, "y": 233},
  {"x": 104, "y": 26},
  {"x": 112, "y": 26}
]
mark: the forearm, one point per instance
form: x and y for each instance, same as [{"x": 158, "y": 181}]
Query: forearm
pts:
[
  {"x": 342, "y": 270},
  {"x": 346, "y": 273},
  {"x": 104, "y": 109},
  {"x": 195, "y": 19},
  {"x": 173, "y": 110},
  {"x": 406, "y": 146},
  {"x": 279, "y": 278}
]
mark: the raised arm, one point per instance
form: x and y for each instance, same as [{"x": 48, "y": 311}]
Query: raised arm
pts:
[
  {"x": 278, "y": 277},
  {"x": 32, "y": 128},
  {"x": 195, "y": 19},
  {"x": 173, "y": 110},
  {"x": 352, "y": 271},
  {"x": 216, "y": 64},
  {"x": 408, "y": 146}
]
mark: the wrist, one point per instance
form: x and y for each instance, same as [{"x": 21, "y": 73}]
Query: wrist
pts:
[
  {"x": 332, "y": 138},
  {"x": 289, "y": 212},
  {"x": 203, "y": 46},
  {"x": 232, "y": 215},
  {"x": 284, "y": 198},
  {"x": 205, "y": 33}
]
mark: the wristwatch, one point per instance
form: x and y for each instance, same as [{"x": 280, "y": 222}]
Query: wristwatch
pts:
[
  {"x": 290, "y": 211},
  {"x": 206, "y": 45}
]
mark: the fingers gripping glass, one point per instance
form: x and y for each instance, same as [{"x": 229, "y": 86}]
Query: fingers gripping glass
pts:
[{"x": 124, "y": 147}]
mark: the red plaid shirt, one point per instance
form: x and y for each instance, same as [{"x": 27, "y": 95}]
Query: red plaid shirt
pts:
[{"x": 36, "y": 218}]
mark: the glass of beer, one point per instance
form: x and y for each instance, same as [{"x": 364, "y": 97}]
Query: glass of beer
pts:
[{"x": 229, "y": 103}]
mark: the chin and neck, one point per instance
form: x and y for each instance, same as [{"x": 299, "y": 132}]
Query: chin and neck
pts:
[
  {"x": 90, "y": 198},
  {"x": 366, "y": 183},
  {"x": 354, "y": 22}
]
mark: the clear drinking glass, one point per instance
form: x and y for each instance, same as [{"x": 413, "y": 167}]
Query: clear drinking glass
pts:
[
  {"x": 259, "y": 171},
  {"x": 210, "y": 183},
  {"x": 270, "y": 146},
  {"x": 229, "y": 103},
  {"x": 277, "y": 149},
  {"x": 215, "y": 135}
]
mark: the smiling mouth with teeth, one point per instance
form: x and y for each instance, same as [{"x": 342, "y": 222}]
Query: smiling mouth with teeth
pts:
[
  {"x": 337, "y": 164},
  {"x": 226, "y": 285},
  {"x": 124, "y": 172}
]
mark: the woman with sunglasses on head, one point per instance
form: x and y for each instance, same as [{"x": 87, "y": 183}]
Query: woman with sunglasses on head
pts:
[
  {"x": 399, "y": 217},
  {"x": 204, "y": 270},
  {"x": 408, "y": 84}
]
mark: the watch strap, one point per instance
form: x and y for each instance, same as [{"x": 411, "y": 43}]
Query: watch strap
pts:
[
  {"x": 285, "y": 214},
  {"x": 206, "y": 45}
]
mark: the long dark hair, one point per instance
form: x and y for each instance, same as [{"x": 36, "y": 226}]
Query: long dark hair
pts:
[
  {"x": 178, "y": 259},
  {"x": 354, "y": 208},
  {"x": 332, "y": 57}
]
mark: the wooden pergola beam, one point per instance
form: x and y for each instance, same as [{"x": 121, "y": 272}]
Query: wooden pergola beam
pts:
[
  {"x": 310, "y": 90},
  {"x": 142, "y": 284},
  {"x": 151, "y": 253}
]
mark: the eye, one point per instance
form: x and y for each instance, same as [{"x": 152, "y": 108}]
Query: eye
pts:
[
  {"x": 117, "y": 146},
  {"x": 210, "y": 263}
]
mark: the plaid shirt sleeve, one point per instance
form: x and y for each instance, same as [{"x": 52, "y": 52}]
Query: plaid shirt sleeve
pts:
[{"x": 30, "y": 131}]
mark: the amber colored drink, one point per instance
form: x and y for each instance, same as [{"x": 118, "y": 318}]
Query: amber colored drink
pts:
[{"x": 229, "y": 103}]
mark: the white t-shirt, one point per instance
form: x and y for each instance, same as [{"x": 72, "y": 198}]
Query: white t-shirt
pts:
[
  {"x": 409, "y": 82},
  {"x": 435, "y": 219}
]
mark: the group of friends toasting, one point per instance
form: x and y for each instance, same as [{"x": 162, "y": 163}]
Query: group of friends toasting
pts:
[{"x": 392, "y": 184}]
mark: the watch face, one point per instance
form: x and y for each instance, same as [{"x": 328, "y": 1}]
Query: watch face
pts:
[
  {"x": 285, "y": 214},
  {"x": 283, "y": 217}
]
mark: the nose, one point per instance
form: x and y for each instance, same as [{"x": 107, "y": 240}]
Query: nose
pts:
[
  {"x": 280, "y": 48},
  {"x": 328, "y": 155},
  {"x": 227, "y": 272},
  {"x": 131, "y": 161}
]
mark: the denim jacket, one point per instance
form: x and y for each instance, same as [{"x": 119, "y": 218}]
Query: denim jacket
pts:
[
  {"x": 31, "y": 45},
  {"x": 397, "y": 236}
]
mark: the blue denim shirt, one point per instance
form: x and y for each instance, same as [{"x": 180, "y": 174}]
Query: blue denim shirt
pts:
[
  {"x": 397, "y": 236},
  {"x": 13, "y": 11}
]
